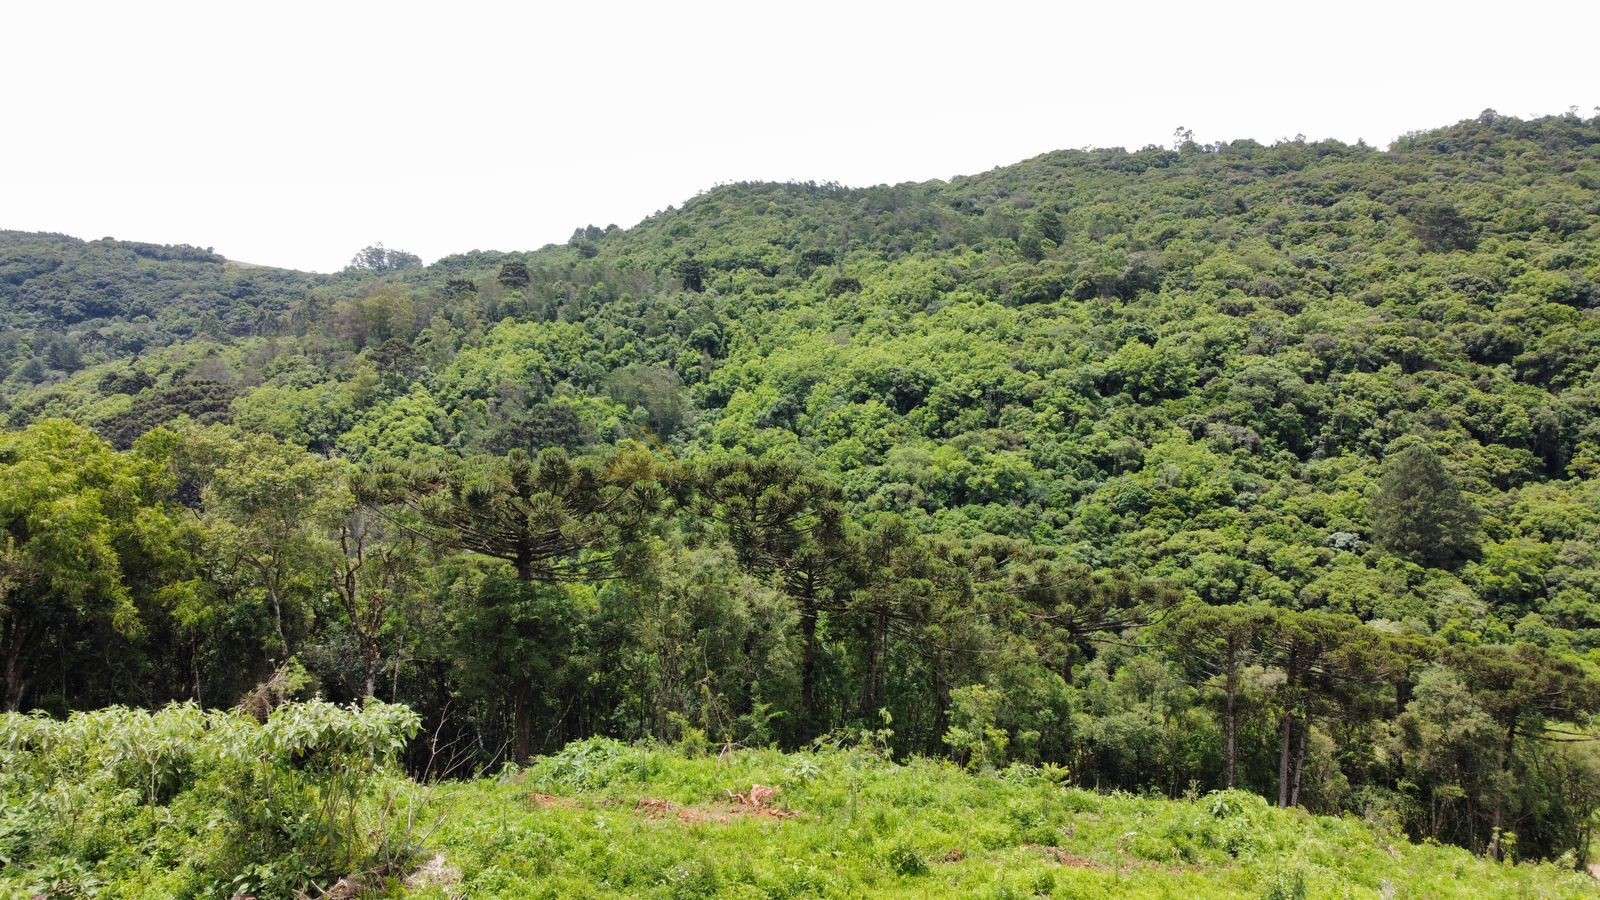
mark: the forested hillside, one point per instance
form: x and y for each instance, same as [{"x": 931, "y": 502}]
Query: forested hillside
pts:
[{"x": 1229, "y": 466}]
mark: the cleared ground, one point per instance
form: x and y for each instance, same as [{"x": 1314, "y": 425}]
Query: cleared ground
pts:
[{"x": 605, "y": 819}]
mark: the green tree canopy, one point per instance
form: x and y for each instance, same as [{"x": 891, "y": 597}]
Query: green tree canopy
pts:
[{"x": 1420, "y": 512}]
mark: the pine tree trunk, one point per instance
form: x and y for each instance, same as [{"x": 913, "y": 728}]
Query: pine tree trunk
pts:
[
  {"x": 1285, "y": 743},
  {"x": 1495, "y": 851},
  {"x": 522, "y": 699},
  {"x": 1232, "y": 727},
  {"x": 522, "y": 724},
  {"x": 872, "y": 697},
  {"x": 808, "y": 661},
  {"x": 1300, "y": 761},
  {"x": 1291, "y": 682}
]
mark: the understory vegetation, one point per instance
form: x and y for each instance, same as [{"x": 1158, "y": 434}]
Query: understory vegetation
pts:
[
  {"x": 188, "y": 802},
  {"x": 188, "y": 806},
  {"x": 1261, "y": 473},
  {"x": 602, "y": 818}
]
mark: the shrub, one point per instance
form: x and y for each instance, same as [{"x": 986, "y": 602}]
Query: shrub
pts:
[
  {"x": 905, "y": 860},
  {"x": 201, "y": 801},
  {"x": 973, "y": 734}
]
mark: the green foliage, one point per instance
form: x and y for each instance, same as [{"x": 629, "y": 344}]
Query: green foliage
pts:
[
  {"x": 791, "y": 462},
  {"x": 611, "y": 818},
  {"x": 76, "y": 518},
  {"x": 973, "y": 735},
  {"x": 1419, "y": 511},
  {"x": 513, "y": 274},
  {"x": 66, "y": 304},
  {"x": 379, "y": 260},
  {"x": 184, "y": 802}
]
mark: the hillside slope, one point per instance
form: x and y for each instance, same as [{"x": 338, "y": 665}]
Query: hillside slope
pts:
[
  {"x": 1273, "y": 468},
  {"x": 1189, "y": 362}
]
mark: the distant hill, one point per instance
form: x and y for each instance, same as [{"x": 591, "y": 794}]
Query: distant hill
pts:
[
  {"x": 67, "y": 303},
  {"x": 1018, "y": 351}
]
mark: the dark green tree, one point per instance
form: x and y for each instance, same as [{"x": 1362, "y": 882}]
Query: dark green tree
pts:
[
  {"x": 554, "y": 519},
  {"x": 1316, "y": 652},
  {"x": 460, "y": 287},
  {"x": 692, "y": 272},
  {"x": 1524, "y": 689},
  {"x": 1440, "y": 227},
  {"x": 785, "y": 521},
  {"x": 514, "y": 275},
  {"x": 1217, "y": 644},
  {"x": 1420, "y": 512}
]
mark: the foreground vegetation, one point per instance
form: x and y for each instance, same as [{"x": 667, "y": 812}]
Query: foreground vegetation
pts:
[
  {"x": 187, "y": 803},
  {"x": 605, "y": 819},
  {"x": 122, "y": 803},
  {"x": 1204, "y": 468}
]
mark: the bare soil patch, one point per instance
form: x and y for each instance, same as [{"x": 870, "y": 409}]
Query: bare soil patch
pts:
[{"x": 757, "y": 803}]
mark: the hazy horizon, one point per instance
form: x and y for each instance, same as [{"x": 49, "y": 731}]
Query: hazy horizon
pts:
[
  {"x": 561, "y": 238},
  {"x": 294, "y": 139}
]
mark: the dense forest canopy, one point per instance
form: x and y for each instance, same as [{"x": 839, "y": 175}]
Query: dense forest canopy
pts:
[{"x": 1231, "y": 466}]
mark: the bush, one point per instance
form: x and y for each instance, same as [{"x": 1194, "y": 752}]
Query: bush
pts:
[
  {"x": 188, "y": 801},
  {"x": 973, "y": 735},
  {"x": 905, "y": 860}
]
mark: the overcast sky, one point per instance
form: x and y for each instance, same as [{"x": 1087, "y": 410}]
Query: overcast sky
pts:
[{"x": 292, "y": 134}]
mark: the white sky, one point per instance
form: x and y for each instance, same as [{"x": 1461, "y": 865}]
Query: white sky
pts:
[{"x": 292, "y": 133}]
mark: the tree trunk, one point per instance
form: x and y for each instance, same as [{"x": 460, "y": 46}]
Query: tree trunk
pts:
[
  {"x": 16, "y": 687},
  {"x": 522, "y": 698},
  {"x": 522, "y": 723},
  {"x": 1495, "y": 851},
  {"x": 194, "y": 668},
  {"x": 872, "y": 696},
  {"x": 808, "y": 662},
  {"x": 371, "y": 650},
  {"x": 1285, "y": 743},
  {"x": 1231, "y": 725},
  {"x": 1291, "y": 683},
  {"x": 374, "y": 663},
  {"x": 277, "y": 618},
  {"x": 1300, "y": 761},
  {"x": 16, "y": 679}
]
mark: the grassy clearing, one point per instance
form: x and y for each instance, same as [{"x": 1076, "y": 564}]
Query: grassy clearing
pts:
[{"x": 606, "y": 819}]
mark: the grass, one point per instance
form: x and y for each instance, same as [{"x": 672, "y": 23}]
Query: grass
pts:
[{"x": 603, "y": 819}]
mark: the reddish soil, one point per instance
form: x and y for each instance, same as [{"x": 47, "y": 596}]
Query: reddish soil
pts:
[
  {"x": 1065, "y": 857},
  {"x": 756, "y": 803},
  {"x": 546, "y": 801}
]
